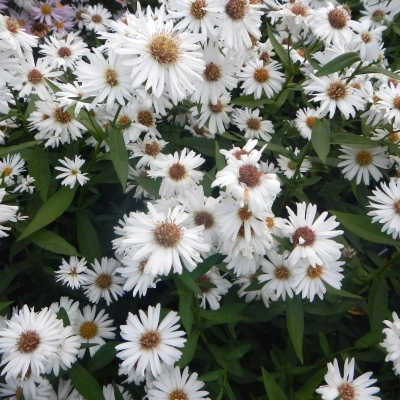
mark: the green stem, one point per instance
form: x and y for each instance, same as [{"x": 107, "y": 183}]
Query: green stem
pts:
[{"x": 116, "y": 114}]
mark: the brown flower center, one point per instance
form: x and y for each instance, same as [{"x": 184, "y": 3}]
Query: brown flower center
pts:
[
  {"x": 177, "y": 172},
  {"x": 64, "y": 52},
  {"x": 264, "y": 56},
  {"x": 167, "y": 234},
  {"x": 7, "y": 171},
  {"x": 88, "y": 330},
  {"x": 306, "y": 234},
  {"x": 338, "y": 17},
  {"x": 261, "y": 75},
  {"x": 299, "y": 9},
  {"x": 62, "y": 116},
  {"x": 178, "y": 394},
  {"x": 46, "y": 9},
  {"x": 250, "y": 176},
  {"x": 337, "y": 90},
  {"x": 204, "y": 278},
  {"x": 104, "y": 281},
  {"x": 315, "y": 273},
  {"x": 164, "y": 48},
  {"x": 216, "y": 108},
  {"x": 291, "y": 165},
  {"x": 12, "y": 25},
  {"x": 111, "y": 77},
  {"x": 282, "y": 273},
  {"x": 145, "y": 117},
  {"x": 78, "y": 15},
  {"x": 366, "y": 37},
  {"x": 28, "y": 342},
  {"x": 238, "y": 153},
  {"x": 149, "y": 340},
  {"x": 244, "y": 213},
  {"x": 253, "y": 123},
  {"x": 394, "y": 137},
  {"x": 347, "y": 391},
  {"x": 396, "y": 206},
  {"x": 310, "y": 121},
  {"x": 97, "y": 19},
  {"x": 35, "y": 76},
  {"x": 363, "y": 158},
  {"x": 378, "y": 15},
  {"x": 40, "y": 29},
  {"x": 396, "y": 102},
  {"x": 236, "y": 9},
  {"x": 203, "y": 218},
  {"x": 124, "y": 120},
  {"x": 196, "y": 9},
  {"x": 142, "y": 265},
  {"x": 152, "y": 149},
  {"x": 73, "y": 271},
  {"x": 270, "y": 222},
  {"x": 212, "y": 72}
]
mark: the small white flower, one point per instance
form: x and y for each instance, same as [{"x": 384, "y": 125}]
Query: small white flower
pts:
[
  {"x": 72, "y": 172},
  {"x": 392, "y": 342},
  {"x": 70, "y": 273},
  {"x": 255, "y": 127}
]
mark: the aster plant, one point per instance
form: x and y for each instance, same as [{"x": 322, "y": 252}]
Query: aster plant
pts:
[{"x": 199, "y": 199}]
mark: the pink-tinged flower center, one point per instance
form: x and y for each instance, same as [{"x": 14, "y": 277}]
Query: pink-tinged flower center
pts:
[
  {"x": 250, "y": 176},
  {"x": 261, "y": 75},
  {"x": 104, "y": 281},
  {"x": 204, "y": 218},
  {"x": 212, "y": 72},
  {"x": 347, "y": 391},
  {"x": 364, "y": 158},
  {"x": 88, "y": 330},
  {"x": 177, "y": 172},
  {"x": 236, "y": 9},
  {"x": 315, "y": 272},
  {"x": 196, "y": 9},
  {"x": 238, "y": 153},
  {"x": 35, "y": 76},
  {"x": 282, "y": 273},
  {"x": 64, "y": 52},
  {"x": 303, "y": 236},
  {"x": 337, "y": 90},
  {"x": 167, "y": 234},
  {"x": 338, "y": 17},
  {"x": 177, "y": 394},
  {"x": 149, "y": 340},
  {"x": 28, "y": 342},
  {"x": 164, "y": 48},
  {"x": 204, "y": 278},
  {"x": 253, "y": 123}
]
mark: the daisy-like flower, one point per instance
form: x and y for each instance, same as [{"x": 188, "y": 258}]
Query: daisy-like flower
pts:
[
  {"x": 363, "y": 162},
  {"x": 391, "y": 342},
  {"x": 278, "y": 274},
  {"x": 171, "y": 385},
  {"x": 163, "y": 239},
  {"x": 245, "y": 181},
  {"x": 212, "y": 295},
  {"x": 309, "y": 279},
  {"x": 38, "y": 389},
  {"x": 376, "y": 12},
  {"x": 332, "y": 91},
  {"x": 30, "y": 341},
  {"x": 148, "y": 150},
  {"x": 7, "y": 213},
  {"x": 93, "y": 329},
  {"x": 108, "y": 392},
  {"x": 305, "y": 120},
  {"x": 102, "y": 281},
  {"x": 25, "y": 184},
  {"x": 386, "y": 207},
  {"x": 245, "y": 280},
  {"x": 258, "y": 78},
  {"x": 311, "y": 239},
  {"x": 46, "y": 11},
  {"x": 72, "y": 172},
  {"x": 66, "y": 390},
  {"x": 165, "y": 59},
  {"x": 255, "y": 127},
  {"x": 149, "y": 341},
  {"x": 178, "y": 172},
  {"x": 11, "y": 167},
  {"x": 71, "y": 273},
  {"x": 347, "y": 386},
  {"x": 389, "y": 102},
  {"x": 105, "y": 78},
  {"x": 96, "y": 18},
  {"x": 289, "y": 167}
]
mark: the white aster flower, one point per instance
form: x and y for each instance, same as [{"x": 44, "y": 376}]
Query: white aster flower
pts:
[
  {"x": 386, "y": 207},
  {"x": 7, "y": 213},
  {"x": 363, "y": 162},
  {"x": 245, "y": 281},
  {"x": 171, "y": 384},
  {"x": 311, "y": 239},
  {"x": 25, "y": 184},
  {"x": 32, "y": 388},
  {"x": 10, "y": 168},
  {"x": 305, "y": 120},
  {"x": 71, "y": 273},
  {"x": 72, "y": 172},
  {"x": 108, "y": 392},
  {"x": 149, "y": 341},
  {"x": 347, "y": 386},
  {"x": 289, "y": 167},
  {"x": 389, "y": 102},
  {"x": 148, "y": 150},
  {"x": 391, "y": 342},
  {"x": 96, "y": 18},
  {"x": 15, "y": 38}
]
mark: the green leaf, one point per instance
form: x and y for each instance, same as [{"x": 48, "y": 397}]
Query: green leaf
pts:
[
  {"x": 52, "y": 86},
  {"x": 189, "y": 282},
  {"x": 279, "y": 149},
  {"x": 280, "y": 51},
  {"x": 227, "y": 313},
  {"x": 377, "y": 302},
  {"x": 352, "y": 140},
  {"x": 51, "y": 210},
  {"x": 341, "y": 293},
  {"x": 203, "y": 146},
  {"x": 14, "y": 149},
  {"x": 238, "y": 352},
  {"x": 189, "y": 349},
  {"x": 323, "y": 341},
  {"x": 38, "y": 167},
  {"x": 364, "y": 228},
  {"x": 310, "y": 59},
  {"x": 295, "y": 324},
  {"x": 338, "y": 63},
  {"x": 185, "y": 310},
  {"x": 380, "y": 70},
  {"x": 103, "y": 356},
  {"x": 150, "y": 186},
  {"x": 119, "y": 154},
  {"x": 93, "y": 127},
  {"x": 209, "y": 376},
  {"x": 8, "y": 273},
  {"x": 219, "y": 158},
  {"x": 306, "y": 392},
  {"x": 370, "y": 339},
  {"x": 84, "y": 383},
  {"x": 62, "y": 314},
  {"x": 320, "y": 138},
  {"x": 87, "y": 238},
  {"x": 5, "y": 304},
  {"x": 206, "y": 265},
  {"x": 49, "y": 240},
  {"x": 250, "y": 101},
  {"x": 117, "y": 392},
  {"x": 272, "y": 389}
]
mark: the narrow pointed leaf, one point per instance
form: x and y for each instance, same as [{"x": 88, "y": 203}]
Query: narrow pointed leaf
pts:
[
  {"x": 320, "y": 138},
  {"x": 272, "y": 389},
  {"x": 51, "y": 241},
  {"x": 119, "y": 154},
  {"x": 87, "y": 238},
  {"x": 85, "y": 383},
  {"x": 295, "y": 324},
  {"x": 338, "y": 63},
  {"x": 39, "y": 169}
]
